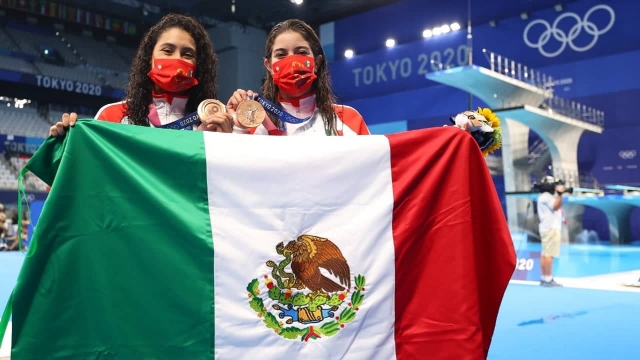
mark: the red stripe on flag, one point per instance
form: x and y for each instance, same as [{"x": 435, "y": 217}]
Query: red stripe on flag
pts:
[{"x": 454, "y": 253}]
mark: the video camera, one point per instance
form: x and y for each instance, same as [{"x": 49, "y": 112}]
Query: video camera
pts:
[{"x": 548, "y": 184}]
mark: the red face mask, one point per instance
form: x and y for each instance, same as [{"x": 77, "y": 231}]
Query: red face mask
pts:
[
  {"x": 294, "y": 74},
  {"x": 173, "y": 75}
]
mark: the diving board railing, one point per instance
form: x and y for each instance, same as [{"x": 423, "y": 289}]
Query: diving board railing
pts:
[
  {"x": 574, "y": 179},
  {"x": 517, "y": 71},
  {"x": 579, "y": 191},
  {"x": 537, "y": 150},
  {"x": 616, "y": 207},
  {"x": 626, "y": 190}
]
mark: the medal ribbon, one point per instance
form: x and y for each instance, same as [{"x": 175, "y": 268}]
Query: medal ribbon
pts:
[
  {"x": 277, "y": 111},
  {"x": 188, "y": 120},
  {"x": 183, "y": 123}
]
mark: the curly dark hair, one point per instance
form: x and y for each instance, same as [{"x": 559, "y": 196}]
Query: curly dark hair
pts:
[
  {"x": 140, "y": 86},
  {"x": 324, "y": 93}
]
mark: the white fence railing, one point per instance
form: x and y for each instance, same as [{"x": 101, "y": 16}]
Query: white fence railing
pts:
[{"x": 515, "y": 70}]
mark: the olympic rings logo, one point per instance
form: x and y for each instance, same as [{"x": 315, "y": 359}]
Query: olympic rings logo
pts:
[
  {"x": 627, "y": 154},
  {"x": 29, "y": 198},
  {"x": 564, "y": 39}
]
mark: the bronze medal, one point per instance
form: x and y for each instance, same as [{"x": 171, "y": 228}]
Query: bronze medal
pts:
[
  {"x": 250, "y": 113},
  {"x": 209, "y": 107}
]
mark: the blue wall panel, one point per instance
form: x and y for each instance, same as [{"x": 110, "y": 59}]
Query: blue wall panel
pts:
[
  {"x": 403, "y": 67},
  {"x": 592, "y": 55},
  {"x": 405, "y": 20},
  {"x": 388, "y": 127}
]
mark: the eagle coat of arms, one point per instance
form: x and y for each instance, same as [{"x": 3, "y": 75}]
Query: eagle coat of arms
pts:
[{"x": 302, "y": 301}]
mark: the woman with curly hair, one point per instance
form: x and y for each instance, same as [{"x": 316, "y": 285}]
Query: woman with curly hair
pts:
[
  {"x": 174, "y": 69},
  {"x": 298, "y": 85}
]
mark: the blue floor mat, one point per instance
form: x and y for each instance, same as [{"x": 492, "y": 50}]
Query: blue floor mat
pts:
[
  {"x": 566, "y": 323},
  {"x": 10, "y": 263},
  {"x": 534, "y": 322}
]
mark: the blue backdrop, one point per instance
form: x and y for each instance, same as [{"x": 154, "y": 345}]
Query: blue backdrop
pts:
[
  {"x": 590, "y": 48},
  {"x": 19, "y": 145},
  {"x": 70, "y": 86},
  {"x": 403, "y": 67}
]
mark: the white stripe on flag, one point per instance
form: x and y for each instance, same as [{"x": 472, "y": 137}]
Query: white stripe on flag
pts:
[
  {"x": 274, "y": 189},
  {"x": 5, "y": 344}
]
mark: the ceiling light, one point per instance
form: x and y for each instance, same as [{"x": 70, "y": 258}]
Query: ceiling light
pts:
[
  {"x": 390, "y": 43},
  {"x": 455, "y": 26},
  {"x": 297, "y": 2},
  {"x": 445, "y": 29},
  {"x": 427, "y": 33},
  {"x": 437, "y": 31},
  {"x": 348, "y": 53}
]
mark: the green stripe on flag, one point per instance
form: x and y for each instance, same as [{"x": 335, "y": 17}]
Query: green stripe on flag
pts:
[{"x": 123, "y": 266}]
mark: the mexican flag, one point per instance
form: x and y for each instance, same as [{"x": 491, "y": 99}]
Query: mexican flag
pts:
[{"x": 164, "y": 244}]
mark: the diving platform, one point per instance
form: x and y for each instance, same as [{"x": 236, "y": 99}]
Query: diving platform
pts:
[
  {"x": 546, "y": 120},
  {"x": 625, "y": 189},
  {"x": 523, "y": 99},
  {"x": 536, "y": 103},
  {"x": 561, "y": 133},
  {"x": 495, "y": 89},
  {"x": 617, "y": 208}
]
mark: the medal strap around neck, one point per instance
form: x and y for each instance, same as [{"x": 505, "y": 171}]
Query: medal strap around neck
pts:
[
  {"x": 284, "y": 117},
  {"x": 278, "y": 112},
  {"x": 185, "y": 122}
]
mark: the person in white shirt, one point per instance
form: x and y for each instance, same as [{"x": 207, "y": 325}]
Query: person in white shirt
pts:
[{"x": 550, "y": 227}]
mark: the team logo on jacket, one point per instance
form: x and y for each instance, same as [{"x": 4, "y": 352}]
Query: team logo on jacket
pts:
[{"x": 310, "y": 291}]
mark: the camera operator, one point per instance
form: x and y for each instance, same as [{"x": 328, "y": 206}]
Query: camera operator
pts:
[{"x": 550, "y": 226}]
